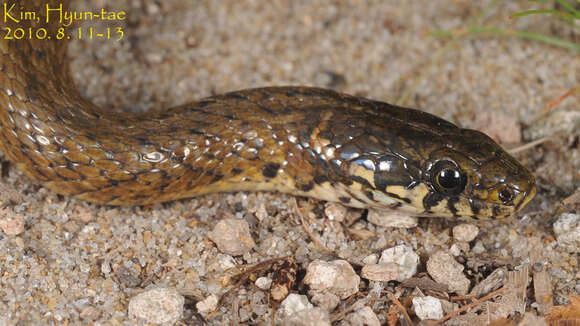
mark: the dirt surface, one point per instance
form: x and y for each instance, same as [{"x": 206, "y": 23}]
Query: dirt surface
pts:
[{"x": 76, "y": 263}]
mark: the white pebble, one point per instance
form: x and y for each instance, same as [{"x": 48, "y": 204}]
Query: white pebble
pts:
[
  {"x": 335, "y": 212},
  {"x": 405, "y": 257},
  {"x": 291, "y": 305},
  {"x": 465, "y": 232},
  {"x": 326, "y": 300},
  {"x": 427, "y": 307},
  {"x": 390, "y": 218},
  {"x": 337, "y": 277},
  {"x": 157, "y": 306},
  {"x": 11, "y": 223},
  {"x": 363, "y": 316},
  {"x": 567, "y": 230},
  {"x": 308, "y": 317},
  {"x": 370, "y": 259},
  {"x": 444, "y": 269},
  {"x": 232, "y": 236},
  {"x": 381, "y": 272},
  {"x": 263, "y": 283},
  {"x": 207, "y": 305}
]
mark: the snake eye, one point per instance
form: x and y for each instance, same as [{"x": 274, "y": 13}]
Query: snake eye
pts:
[
  {"x": 448, "y": 178},
  {"x": 505, "y": 195}
]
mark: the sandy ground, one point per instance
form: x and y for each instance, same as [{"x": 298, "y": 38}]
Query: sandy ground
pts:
[{"x": 77, "y": 263}]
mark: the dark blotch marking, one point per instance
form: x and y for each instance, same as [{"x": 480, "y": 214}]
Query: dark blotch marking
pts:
[
  {"x": 238, "y": 95},
  {"x": 306, "y": 187},
  {"x": 396, "y": 206},
  {"x": 318, "y": 179},
  {"x": 236, "y": 171},
  {"x": 144, "y": 141},
  {"x": 432, "y": 199},
  {"x": 451, "y": 205},
  {"x": 344, "y": 199},
  {"x": 496, "y": 211},
  {"x": 362, "y": 181},
  {"x": 475, "y": 206},
  {"x": 266, "y": 109},
  {"x": 196, "y": 132},
  {"x": 270, "y": 170},
  {"x": 370, "y": 195},
  {"x": 209, "y": 155},
  {"x": 394, "y": 195},
  {"x": 292, "y": 92},
  {"x": 217, "y": 177}
]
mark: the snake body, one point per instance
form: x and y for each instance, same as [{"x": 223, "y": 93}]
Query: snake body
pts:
[{"x": 299, "y": 140}]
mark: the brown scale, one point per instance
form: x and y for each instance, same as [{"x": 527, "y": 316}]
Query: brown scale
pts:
[{"x": 300, "y": 140}]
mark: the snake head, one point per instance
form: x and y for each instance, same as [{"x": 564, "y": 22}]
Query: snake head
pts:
[
  {"x": 437, "y": 169},
  {"x": 475, "y": 177}
]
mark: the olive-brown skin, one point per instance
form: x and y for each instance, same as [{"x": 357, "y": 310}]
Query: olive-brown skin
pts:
[{"x": 300, "y": 140}]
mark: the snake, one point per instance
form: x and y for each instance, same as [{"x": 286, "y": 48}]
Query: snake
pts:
[{"x": 303, "y": 141}]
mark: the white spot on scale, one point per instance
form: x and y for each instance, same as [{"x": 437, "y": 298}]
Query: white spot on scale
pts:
[
  {"x": 237, "y": 146},
  {"x": 385, "y": 166},
  {"x": 153, "y": 157},
  {"x": 42, "y": 140},
  {"x": 329, "y": 152}
]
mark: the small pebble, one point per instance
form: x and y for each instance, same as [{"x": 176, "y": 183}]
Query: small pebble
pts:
[
  {"x": 263, "y": 283},
  {"x": 405, "y": 257},
  {"x": 492, "y": 282},
  {"x": 208, "y": 304},
  {"x": 259, "y": 303},
  {"x": 308, "y": 317},
  {"x": 336, "y": 276},
  {"x": 465, "y": 232},
  {"x": 232, "y": 236},
  {"x": 363, "y": 316},
  {"x": 389, "y": 218},
  {"x": 478, "y": 248},
  {"x": 459, "y": 248},
  {"x": 427, "y": 307},
  {"x": 226, "y": 261},
  {"x": 326, "y": 300},
  {"x": 370, "y": 259},
  {"x": 381, "y": 272},
  {"x": 567, "y": 230},
  {"x": 291, "y": 305},
  {"x": 106, "y": 268},
  {"x": 89, "y": 313},
  {"x": 335, "y": 212},
  {"x": 129, "y": 274},
  {"x": 444, "y": 269},
  {"x": 11, "y": 223},
  {"x": 157, "y": 306}
]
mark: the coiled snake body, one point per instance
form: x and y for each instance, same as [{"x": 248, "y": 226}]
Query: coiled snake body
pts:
[{"x": 305, "y": 141}]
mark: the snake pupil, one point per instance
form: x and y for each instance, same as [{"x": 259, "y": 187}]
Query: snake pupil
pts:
[{"x": 449, "y": 178}]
